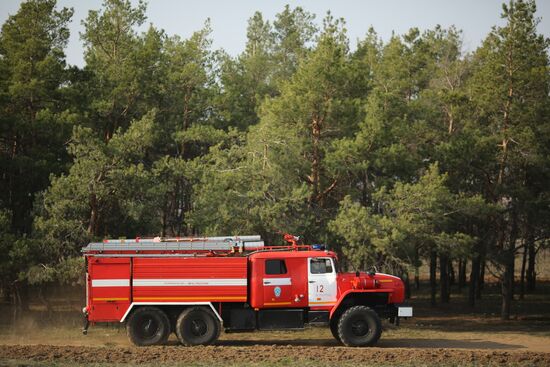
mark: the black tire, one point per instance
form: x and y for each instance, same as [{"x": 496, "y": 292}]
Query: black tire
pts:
[
  {"x": 359, "y": 326},
  {"x": 148, "y": 326},
  {"x": 197, "y": 326},
  {"x": 334, "y": 328}
]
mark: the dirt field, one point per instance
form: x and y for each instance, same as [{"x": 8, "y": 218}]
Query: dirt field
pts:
[
  {"x": 417, "y": 342},
  {"x": 448, "y": 335},
  {"x": 270, "y": 355}
]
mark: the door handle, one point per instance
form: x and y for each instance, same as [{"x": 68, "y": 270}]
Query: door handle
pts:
[{"x": 312, "y": 281}]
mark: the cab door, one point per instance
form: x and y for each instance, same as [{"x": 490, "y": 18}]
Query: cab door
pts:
[
  {"x": 322, "y": 288},
  {"x": 277, "y": 284}
]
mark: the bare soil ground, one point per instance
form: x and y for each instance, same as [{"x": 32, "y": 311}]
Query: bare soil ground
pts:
[
  {"x": 448, "y": 335},
  {"x": 271, "y": 355},
  {"x": 422, "y": 341}
]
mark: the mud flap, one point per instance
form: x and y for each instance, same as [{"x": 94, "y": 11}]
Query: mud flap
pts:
[{"x": 86, "y": 324}]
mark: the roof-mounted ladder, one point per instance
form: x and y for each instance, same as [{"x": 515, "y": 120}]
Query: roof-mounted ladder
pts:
[{"x": 220, "y": 243}]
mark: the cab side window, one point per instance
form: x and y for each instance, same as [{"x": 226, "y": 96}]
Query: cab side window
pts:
[
  {"x": 275, "y": 267},
  {"x": 320, "y": 266}
]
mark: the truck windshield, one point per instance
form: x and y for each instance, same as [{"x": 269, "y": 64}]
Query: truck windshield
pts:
[{"x": 321, "y": 266}]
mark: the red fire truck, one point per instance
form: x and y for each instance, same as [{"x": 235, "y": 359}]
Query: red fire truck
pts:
[{"x": 195, "y": 286}]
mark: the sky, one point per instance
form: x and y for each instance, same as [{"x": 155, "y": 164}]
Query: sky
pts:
[{"x": 229, "y": 18}]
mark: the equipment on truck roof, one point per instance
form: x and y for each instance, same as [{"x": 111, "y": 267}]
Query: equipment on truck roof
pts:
[{"x": 223, "y": 243}]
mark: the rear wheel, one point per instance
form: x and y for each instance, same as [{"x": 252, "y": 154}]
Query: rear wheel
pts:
[
  {"x": 359, "y": 326},
  {"x": 148, "y": 326},
  {"x": 197, "y": 326}
]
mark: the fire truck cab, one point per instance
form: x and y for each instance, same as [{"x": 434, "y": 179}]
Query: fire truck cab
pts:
[{"x": 192, "y": 288}]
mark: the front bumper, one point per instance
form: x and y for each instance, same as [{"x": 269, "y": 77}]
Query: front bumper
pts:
[
  {"x": 404, "y": 311},
  {"x": 394, "y": 311}
]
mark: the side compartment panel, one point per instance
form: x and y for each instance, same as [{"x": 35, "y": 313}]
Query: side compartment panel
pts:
[{"x": 209, "y": 279}]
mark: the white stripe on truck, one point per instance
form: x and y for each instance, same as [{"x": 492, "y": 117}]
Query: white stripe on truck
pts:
[
  {"x": 189, "y": 282},
  {"x": 110, "y": 282},
  {"x": 277, "y": 281}
]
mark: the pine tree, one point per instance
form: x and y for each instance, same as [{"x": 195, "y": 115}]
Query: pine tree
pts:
[{"x": 510, "y": 86}]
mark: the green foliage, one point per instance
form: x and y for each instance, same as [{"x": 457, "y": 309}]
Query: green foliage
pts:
[
  {"x": 112, "y": 51},
  {"x": 509, "y": 87},
  {"x": 34, "y": 123},
  {"x": 68, "y": 271},
  {"x": 272, "y": 55},
  {"x": 99, "y": 195},
  {"x": 277, "y": 179},
  {"x": 408, "y": 218},
  {"x": 252, "y": 187}
]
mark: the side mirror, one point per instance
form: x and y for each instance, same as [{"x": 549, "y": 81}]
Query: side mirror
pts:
[{"x": 357, "y": 273}]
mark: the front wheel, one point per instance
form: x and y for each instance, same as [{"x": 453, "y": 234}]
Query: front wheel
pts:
[
  {"x": 359, "y": 326},
  {"x": 197, "y": 326},
  {"x": 334, "y": 329},
  {"x": 148, "y": 326}
]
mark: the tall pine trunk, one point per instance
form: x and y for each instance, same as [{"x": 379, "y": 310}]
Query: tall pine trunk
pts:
[
  {"x": 444, "y": 278},
  {"x": 509, "y": 268},
  {"x": 462, "y": 273},
  {"x": 531, "y": 275},
  {"x": 433, "y": 274},
  {"x": 416, "y": 269},
  {"x": 481, "y": 277},
  {"x": 406, "y": 280},
  {"x": 507, "y": 286},
  {"x": 452, "y": 274},
  {"x": 315, "y": 159},
  {"x": 474, "y": 280},
  {"x": 522, "y": 275}
]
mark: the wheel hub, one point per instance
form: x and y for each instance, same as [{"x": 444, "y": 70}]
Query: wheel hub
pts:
[
  {"x": 360, "y": 328},
  {"x": 149, "y": 327},
  {"x": 198, "y": 327}
]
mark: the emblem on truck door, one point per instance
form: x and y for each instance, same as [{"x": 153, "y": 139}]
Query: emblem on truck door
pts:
[{"x": 277, "y": 291}]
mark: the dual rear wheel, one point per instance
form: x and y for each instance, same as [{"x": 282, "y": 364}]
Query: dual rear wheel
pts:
[
  {"x": 148, "y": 326},
  {"x": 194, "y": 326},
  {"x": 197, "y": 326}
]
